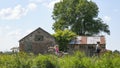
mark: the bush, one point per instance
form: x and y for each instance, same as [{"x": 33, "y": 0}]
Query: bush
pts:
[
  {"x": 77, "y": 60},
  {"x": 43, "y": 62}
]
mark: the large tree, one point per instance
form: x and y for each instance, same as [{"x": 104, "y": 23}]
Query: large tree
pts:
[{"x": 80, "y": 16}]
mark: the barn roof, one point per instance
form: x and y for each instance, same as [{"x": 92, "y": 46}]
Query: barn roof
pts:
[{"x": 33, "y": 32}]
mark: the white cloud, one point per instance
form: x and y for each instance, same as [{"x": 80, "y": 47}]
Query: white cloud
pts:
[
  {"x": 17, "y": 12},
  {"x": 107, "y": 18},
  {"x": 12, "y": 13},
  {"x": 32, "y": 6},
  {"x": 51, "y": 4},
  {"x": 36, "y": 1}
]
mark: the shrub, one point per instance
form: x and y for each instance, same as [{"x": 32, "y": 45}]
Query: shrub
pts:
[{"x": 77, "y": 60}]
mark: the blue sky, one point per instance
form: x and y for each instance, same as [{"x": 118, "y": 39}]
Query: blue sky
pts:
[{"x": 20, "y": 17}]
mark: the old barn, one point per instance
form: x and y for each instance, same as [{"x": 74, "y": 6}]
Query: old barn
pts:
[{"x": 36, "y": 42}]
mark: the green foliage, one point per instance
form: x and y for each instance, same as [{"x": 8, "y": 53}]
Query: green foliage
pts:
[
  {"x": 42, "y": 61},
  {"x": 77, "y": 60},
  {"x": 63, "y": 38},
  {"x": 80, "y": 16}
]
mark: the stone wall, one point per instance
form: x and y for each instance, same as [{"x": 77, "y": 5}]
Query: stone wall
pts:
[{"x": 37, "y": 42}]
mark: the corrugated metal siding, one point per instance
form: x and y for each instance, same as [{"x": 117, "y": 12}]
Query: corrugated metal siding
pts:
[
  {"x": 88, "y": 40},
  {"x": 93, "y": 40},
  {"x": 83, "y": 40},
  {"x": 87, "y": 44}
]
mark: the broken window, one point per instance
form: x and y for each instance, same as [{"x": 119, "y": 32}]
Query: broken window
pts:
[{"x": 39, "y": 38}]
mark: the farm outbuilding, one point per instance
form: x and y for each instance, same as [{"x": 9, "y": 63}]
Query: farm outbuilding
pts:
[
  {"x": 36, "y": 42},
  {"x": 87, "y": 44}
]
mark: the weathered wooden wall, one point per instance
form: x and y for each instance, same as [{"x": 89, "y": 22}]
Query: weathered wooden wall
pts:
[{"x": 37, "y": 42}]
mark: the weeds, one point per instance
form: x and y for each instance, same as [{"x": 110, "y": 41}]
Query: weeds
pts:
[{"x": 77, "y": 60}]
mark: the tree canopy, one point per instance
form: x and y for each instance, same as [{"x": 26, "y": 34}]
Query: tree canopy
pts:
[
  {"x": 63, "y": 38},
  {"x": 80, "y": 16}
]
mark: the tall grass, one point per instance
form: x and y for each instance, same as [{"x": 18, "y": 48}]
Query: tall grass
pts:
[{"x": 77, "y": 60}]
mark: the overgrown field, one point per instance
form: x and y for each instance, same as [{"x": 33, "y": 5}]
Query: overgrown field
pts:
[{"x": 78, "y": 60}]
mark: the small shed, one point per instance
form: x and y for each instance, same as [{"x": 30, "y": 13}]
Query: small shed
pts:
[
  {"x": 87, "y": 44},
  {"x": 36, "y": 42}
]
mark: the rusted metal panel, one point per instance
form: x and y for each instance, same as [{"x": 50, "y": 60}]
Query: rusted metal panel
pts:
[
  {"x": 102, "y": 39},
  {"x": 93, "y": 40},
  {"x": 88, "y": 44},
  {"x": 83, "y": 39},
  {"x": 88, "y": 40}
]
